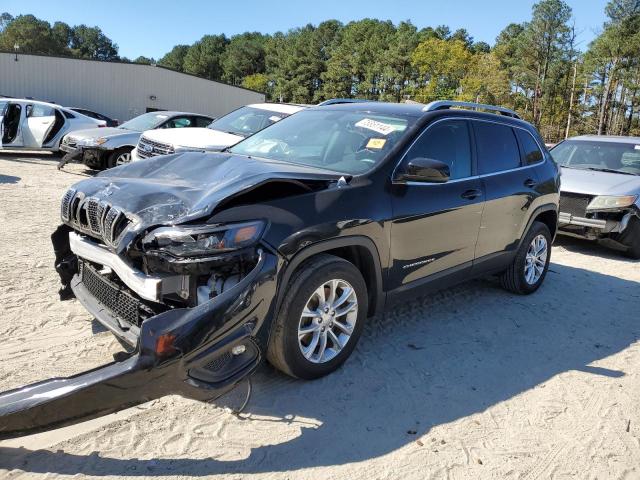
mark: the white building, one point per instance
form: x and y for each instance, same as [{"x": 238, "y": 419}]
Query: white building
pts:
[{"x": 118, "y": 90}]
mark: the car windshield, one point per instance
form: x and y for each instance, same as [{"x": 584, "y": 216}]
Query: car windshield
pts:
[
  {"x": 597, "y": 155},
  {"x": 146, "y": 121},
  {"x": 246, "y": 121},
  {"x": 343, "y": 141}
]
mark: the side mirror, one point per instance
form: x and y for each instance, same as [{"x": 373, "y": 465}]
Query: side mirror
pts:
[{"x": 426, "y": 170}]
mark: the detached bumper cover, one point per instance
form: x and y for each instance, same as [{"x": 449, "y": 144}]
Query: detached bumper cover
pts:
[{"x": 200, "y": 336}]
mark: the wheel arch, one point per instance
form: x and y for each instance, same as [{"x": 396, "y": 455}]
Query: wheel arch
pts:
[
  {"x": 547, "y": 214},
  {"x": 358, "y": 250}
]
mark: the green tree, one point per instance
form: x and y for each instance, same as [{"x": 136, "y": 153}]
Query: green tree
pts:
[
  {"x": 144, "y": 60},
  {"x": 485, "y": 81},
  {"x": 5, "y": 19},
  {"x": 257, "y": 81},
  {"x": 355, "y": 67},
  {"x": 244, "y": 55},
  {"x": 204, "y": 58},
  {"x": 31, "y": 35},
  {"x": 441, "y": 64},
  {"x": 90, "y": 42},
  {"x": 175, "y": 58}
]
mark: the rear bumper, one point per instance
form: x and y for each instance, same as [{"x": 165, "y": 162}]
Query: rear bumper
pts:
[{"x": 200, "y": 365}]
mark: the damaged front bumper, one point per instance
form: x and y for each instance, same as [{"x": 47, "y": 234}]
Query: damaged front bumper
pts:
[{"x": 184, "y": 351}]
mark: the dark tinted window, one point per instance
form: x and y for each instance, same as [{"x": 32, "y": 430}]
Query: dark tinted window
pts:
[
  {"x": 68, "y": 114},
  {"x": 202, "y": 122},
  {"x": 497, "y": 147},
  {"x": 448, "y": 142},
  {"x": 530, "y": 151}
]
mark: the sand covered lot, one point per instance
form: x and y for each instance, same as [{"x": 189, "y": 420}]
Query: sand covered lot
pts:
[{"x": 472, "y": 382}]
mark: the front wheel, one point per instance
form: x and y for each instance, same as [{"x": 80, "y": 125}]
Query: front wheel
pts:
[
  {"x": 320, "y": 319},
  {"x": 529, "y": 267},
  {"x": 121, "y": 156}
]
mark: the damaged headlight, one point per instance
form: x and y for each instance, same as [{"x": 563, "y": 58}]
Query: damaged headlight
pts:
[
  {"x": 606, "y": 202},
  {"x": 202, "y": 240},
  {"x": 92, "y": 142}
]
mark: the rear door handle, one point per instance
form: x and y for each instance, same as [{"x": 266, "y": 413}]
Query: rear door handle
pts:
[
  {"x": 530, "y": 183},
  {"x": 471, "y": 194}
]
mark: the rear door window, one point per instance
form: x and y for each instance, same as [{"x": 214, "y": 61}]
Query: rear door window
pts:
[
  {"x": 531, "y": 152},
  {"x": 497, "y": 147}
]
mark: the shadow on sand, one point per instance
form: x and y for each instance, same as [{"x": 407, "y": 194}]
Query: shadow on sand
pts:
[{"x": 432, "y": 361}]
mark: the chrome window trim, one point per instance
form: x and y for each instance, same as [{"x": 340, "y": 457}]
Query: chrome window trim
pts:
[{"x": 521, "y": 167}]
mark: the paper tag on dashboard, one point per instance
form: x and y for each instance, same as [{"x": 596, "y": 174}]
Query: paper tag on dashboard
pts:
[
  {"x": 376, "y": 126},
  {"x": 275, "y": 119},
  {"x": 637, "y": 147},
  {"x": 376, "y": 143}
]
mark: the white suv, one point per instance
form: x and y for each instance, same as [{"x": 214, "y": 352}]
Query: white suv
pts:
[{"x": 220, "y": 134}]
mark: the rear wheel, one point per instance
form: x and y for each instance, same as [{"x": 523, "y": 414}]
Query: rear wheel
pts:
[
  {"x": 320, "y": 319},
  {"x": 530, "y": 265},
  {"x": 122, "y": 156}
]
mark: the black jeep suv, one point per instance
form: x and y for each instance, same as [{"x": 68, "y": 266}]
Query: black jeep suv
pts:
[{"x": 203, "y": 264}]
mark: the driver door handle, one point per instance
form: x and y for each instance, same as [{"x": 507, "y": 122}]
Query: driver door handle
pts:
[
  {"x": 471, "y": 194},
  {"x": 529, "y": 182}
]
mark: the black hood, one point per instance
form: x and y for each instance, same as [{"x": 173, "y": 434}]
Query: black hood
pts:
[{"x": 178, "y": 188}]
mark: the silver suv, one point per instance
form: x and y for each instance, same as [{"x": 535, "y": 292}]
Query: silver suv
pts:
[{"x": 600, "y": 191}]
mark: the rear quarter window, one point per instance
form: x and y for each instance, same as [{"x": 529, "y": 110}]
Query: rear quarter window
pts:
[{"x": 531, "y": 153}]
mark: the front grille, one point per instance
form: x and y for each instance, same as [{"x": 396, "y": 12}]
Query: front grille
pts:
[
  {"x": 93, "y": 216},
  {"x": 120, "y": 303},
  {"x": 574, "y": 204},
  {"x": 150, "y": 148},
  {"x": 65, "y": 206}
]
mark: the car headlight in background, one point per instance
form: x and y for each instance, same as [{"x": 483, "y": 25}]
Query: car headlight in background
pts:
[
  {"x": 606, "y": 202},
  {"x": 92, "y": 142},
  {"x": 202, "y": 240}
]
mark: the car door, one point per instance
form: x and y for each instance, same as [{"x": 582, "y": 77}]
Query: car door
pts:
[
  {"x": 509, "y": 186},
  {"x": 39, "y": 120},
  {"x": 3, "y": 109},
  {"x": 435, "y": 225}
]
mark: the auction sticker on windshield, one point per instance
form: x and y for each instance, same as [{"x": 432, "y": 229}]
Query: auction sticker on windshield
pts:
[
  {"x": 379, "y": 127},
  {"x": 376, "y": 143}
]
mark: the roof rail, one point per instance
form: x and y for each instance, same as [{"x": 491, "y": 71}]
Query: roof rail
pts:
[{"x": 445, "y": 104}]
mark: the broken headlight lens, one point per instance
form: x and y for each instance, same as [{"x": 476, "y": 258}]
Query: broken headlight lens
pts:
[
  {"x": 92, "y": 142},
  {"x": 606, "y": 202},
  {"x": 202, "y": 240}
]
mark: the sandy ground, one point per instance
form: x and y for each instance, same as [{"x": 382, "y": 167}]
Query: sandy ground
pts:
[{"x": 468, "y": 383}]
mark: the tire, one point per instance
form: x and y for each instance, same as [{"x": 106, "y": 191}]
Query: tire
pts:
[
  {"x": 631, "y": 238},
  {"x": 515, "y": 278},
  {"x": 119, "y": 157},
  {"x": 285, "y": 350}
]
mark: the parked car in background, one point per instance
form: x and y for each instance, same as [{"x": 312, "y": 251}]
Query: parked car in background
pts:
[
  {"x": 222, "y": 133},
  {"x": 600, "y": 194},
  {"x": 285, "y": 245},
  {"x": 98, "y": 116},
  {"x": 34, "y": 125},
  {"x": 108, "y": 147}
]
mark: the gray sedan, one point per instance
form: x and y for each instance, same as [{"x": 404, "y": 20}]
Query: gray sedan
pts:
[
  {"x": 102, "y": 148},
  {"x": 600, "y": 192}
]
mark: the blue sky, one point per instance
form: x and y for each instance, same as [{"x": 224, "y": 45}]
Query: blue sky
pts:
[{"x": 153, "y": 27}]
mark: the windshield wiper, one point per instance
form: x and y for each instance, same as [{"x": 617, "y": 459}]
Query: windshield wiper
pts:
[{"x": 609, "y": 170}]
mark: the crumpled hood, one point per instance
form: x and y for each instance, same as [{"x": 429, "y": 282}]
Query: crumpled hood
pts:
[
  {"x": 177, "y": 188},
  {"x": 200, "y": 138},
  {"x": 599, "y": 183},
  {"x": 98, "y": 132}
]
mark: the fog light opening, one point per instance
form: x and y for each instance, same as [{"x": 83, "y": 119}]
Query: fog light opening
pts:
[{"x": 238, "y": 350}]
